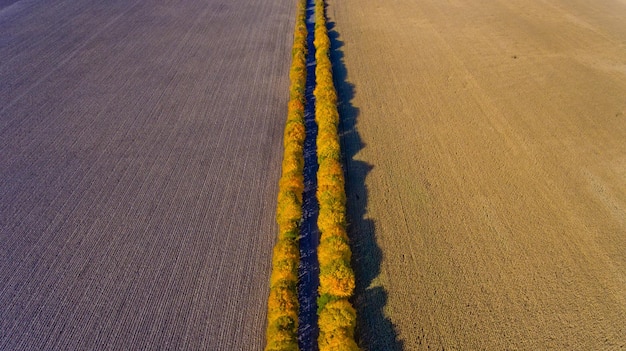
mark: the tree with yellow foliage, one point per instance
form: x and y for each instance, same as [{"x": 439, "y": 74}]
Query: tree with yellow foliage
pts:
[
  {"x": 336, "y": 316},
  {"x": 282, "y": 311}
]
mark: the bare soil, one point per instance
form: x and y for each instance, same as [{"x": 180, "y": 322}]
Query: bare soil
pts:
[
  {"x": 140, "y": 150},
  {"x": 486, "y": 160}
]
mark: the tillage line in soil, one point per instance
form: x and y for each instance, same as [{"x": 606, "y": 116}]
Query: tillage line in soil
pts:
[{"x": 308, "y": 271}]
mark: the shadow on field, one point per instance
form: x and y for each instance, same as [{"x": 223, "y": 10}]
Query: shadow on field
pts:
[{"x": 375, "y": 332}]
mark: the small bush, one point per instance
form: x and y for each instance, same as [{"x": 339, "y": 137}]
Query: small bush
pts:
[
  {"x": 338, "y": 314},
  {"x": 333, "y": 248},
  {"x": 337, "y": 279}
]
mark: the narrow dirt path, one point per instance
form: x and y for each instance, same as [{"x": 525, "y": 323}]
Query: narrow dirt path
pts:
[{"x": 309, "y": 234}]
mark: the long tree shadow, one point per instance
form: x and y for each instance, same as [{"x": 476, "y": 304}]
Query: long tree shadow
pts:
[{"x": 374, "y": 330}]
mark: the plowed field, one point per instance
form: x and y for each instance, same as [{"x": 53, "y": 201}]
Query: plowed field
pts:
[
  {"x": 486, "y": 160},
  {"x": 140, "y": 150}
]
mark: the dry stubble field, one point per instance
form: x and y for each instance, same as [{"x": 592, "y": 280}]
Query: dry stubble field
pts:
[
  {"x": 139, "y": 161},
  {"x": 488, "y": 196}
]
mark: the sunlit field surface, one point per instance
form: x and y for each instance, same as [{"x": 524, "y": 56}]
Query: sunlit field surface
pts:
[{"x": 486, "y": 171}]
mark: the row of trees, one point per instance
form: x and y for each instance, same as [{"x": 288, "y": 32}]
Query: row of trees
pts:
[
  {"x": 336, "y": 316},
  {"x": 282, "y": 314}
]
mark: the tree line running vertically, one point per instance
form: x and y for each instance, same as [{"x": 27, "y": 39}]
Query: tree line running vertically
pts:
[{"x": 336, "y": 316}]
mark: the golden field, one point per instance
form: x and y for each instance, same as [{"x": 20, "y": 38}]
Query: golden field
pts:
[{"x": 486, "y": 172}]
